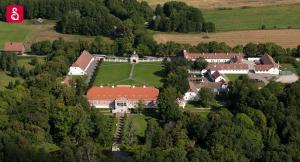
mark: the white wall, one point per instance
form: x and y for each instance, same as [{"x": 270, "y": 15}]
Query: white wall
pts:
[
  {"x": 273, "y": 71},
  {"x": 241, "y": 71},
  {"x": 190, "y": 96},
  {"x": 76, "y": 71},
  {"x": 253, "y": 58}
]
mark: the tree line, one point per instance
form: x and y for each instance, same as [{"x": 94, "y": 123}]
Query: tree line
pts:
[{"x": 179, "y": 17}]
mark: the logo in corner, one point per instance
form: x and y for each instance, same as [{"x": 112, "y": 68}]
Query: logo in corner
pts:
[{"x": 14, "y": 13}]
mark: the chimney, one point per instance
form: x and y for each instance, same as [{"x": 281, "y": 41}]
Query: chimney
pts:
[
  {"x": 133, "y": 86},
  {"x": 112, "y": 86},
  {"x": 101, "y": 86},
  {"x": 144, "y": 86}
]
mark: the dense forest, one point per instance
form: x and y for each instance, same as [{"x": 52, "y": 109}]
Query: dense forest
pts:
[{"x": 111, "y": 17}]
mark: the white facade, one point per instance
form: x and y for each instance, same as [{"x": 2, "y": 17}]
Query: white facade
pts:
[
  {"x": 219, "y": 78},
  {"x": 190, "y": 96},
  {"x": 272, "y": 71},
  {"x": 76, "y": 71},
  {"x": 233, "y": 71}
]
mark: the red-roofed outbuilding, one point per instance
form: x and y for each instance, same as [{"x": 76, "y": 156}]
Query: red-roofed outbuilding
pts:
[
  {"x": 15, "y": 47},
  {"x": 80, "y": 66}
]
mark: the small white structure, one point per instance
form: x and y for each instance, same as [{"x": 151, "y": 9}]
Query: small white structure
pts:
[
  {"x": 82, "y": 64},
  {"x": 134, "y": 59},
  {"x": 266, "y": 66},
  {"x": 218, "y": 77}
]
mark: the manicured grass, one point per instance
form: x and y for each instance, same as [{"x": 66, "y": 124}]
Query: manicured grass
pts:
[
  {"x": 195, "y": 107},
  {"x": 24, "y": 61},
  {"x": 109, "y": 73},
  {"x": 233, "y": 77},
  {"x": 13, "y": 32},
  {"x": 148, "y": 74},
  {"x": 5, "y": 79},
  {"x": 139, "y": 124},
  {"x": 253, "y": 18}
]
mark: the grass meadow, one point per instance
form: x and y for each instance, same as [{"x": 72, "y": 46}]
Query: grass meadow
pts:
[{"x": 284, "y": 16}]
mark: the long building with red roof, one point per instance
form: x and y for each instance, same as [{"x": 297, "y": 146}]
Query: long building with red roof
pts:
[
  {"x": 81, "y": 65},
  {"x": 225, "y": 63},
  {"x": 122, "y": 97}
]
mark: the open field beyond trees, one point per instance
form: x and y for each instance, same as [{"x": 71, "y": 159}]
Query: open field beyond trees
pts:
[
  {"x": 225, "y": 3},
  {"x": 284, "y": 16},
  {"x": 119, "y": 74},
  {"x": 29, "y": 33},
  {"x": 288, "y": 38}
]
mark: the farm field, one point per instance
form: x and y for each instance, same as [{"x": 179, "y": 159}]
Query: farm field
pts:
[
  {"x": 225, "y": 3},
  {"x": 284, "y": 16},
  {"x": 13, "y": 32},
  {"x": 288, "y": 38},
  {"x": 29, "y": 33},
  {"x": 110, "y": 73}
]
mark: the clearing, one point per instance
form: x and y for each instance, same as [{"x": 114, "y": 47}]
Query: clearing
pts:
[
  {"x": 139, "y": 123},
  {"x": 110, "y": 73},
  {"x": 281, "y": 17},
  {"x": 28, "y": 32},
  {"x": 225, "y": 3},
  {"x": 288, "y": 38}
]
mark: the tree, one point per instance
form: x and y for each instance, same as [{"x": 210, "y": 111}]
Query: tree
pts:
[
  {"x": 207, "y": 97},
  {"x": 200, "y": 64},
  {"x": 130, "y": 137},
  {"x": 167, "y": 106}
]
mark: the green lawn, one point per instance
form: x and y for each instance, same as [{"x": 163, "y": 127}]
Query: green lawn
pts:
[
  {"x": 118, "y": 74},
  {"x": 13, "y": 32},
  {"x": 24, "y": 61},
  {"x": 233, "y": 77},
  {"x": 149, "y": 73},
  {"x": 139, "y": 124},
  {"x": 253, "y": 18},
  {"x": 5, "y": 79},
  {"x": 196, "y": 108}
]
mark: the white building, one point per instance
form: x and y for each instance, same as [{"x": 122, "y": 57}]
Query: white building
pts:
[
  {"x": 82, "y": 64},
  {"x": 266, "y": 65}
]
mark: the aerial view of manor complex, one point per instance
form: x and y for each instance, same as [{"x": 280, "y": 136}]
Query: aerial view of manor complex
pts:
[{"x": 149, "y": 80}]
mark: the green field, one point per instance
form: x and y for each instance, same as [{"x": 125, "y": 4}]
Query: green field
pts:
[
  {"x": 253, "y": 18},
  {"x": 13, "y": 32},
  {"x": 119, "y": 73}
]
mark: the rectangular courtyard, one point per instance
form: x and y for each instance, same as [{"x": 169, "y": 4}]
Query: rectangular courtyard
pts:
[{"x": 115, "y": 73}]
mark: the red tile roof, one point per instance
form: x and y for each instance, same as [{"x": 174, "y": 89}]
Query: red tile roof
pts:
[
  {"x": 237, "y": 57},
  {"x": 267, "y": 63},
  {"x": 14, "y": 47},
  {"x": 224, "y": 66},
  {"x": 216, "y": 74},
  {"x": 83, "y": 60},
  {"x": 130, "y": 93}
]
